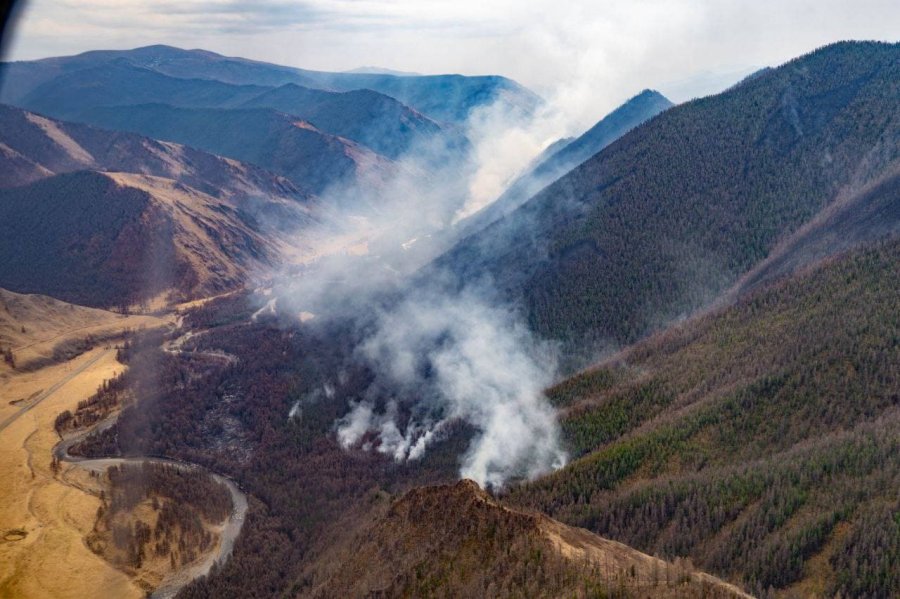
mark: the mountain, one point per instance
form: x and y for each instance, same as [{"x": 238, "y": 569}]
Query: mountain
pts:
[
  {"x": 194, "y": 112},
  {"x": 455, "y": 540},
  {"x": 49, "y": 146},
  {"x": 755, "y": 437},
  {"x": 374, "y": 120},
  {"x": 623, "y": 119},
  {"x": 115, "y": 239},
  {"x": 560, "y": 158},
  {"x": 120, "y": 84},
  {"x": 444, "y": 98},
  {"x": 674, "y": 212},
  {"x": 278, "y": 142},
  {"x": 377, "y": 121},
  {"x": 760, "y": 439}
]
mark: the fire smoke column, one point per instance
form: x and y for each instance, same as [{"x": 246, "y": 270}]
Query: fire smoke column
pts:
[{"x": 458, "y": 357}]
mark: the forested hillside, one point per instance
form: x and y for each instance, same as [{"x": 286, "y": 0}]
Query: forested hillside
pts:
[
  {"x": 324, "y": 521},
  {"x": 666, "y": 218},
  {"x": 760, "y": 440},
  {"x": 232, "y": 416},
  {"x": 862, "y": 216}
]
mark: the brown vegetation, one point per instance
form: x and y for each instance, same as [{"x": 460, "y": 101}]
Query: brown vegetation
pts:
[{"x": 456, "y": 541}]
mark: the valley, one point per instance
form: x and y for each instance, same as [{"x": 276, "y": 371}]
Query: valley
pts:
[
  {"x": 52, "y": 500},
  {"x": 262, "y": 334}
]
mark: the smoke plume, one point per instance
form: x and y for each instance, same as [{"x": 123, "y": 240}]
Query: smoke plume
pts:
[
  {"x": 461, "y": 359},
  {"x": 441, "y": 352}
]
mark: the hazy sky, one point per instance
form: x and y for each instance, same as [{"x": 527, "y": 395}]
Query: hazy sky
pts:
[{"x": 588, "y": 54}]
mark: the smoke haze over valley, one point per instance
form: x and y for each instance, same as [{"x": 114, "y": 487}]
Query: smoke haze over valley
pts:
[{"x": 555, "y": 300}]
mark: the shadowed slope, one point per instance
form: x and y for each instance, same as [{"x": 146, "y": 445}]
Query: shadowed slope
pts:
[
  {"x": 115, "y": 239},
  {"x": 54, "y": 147},
  {"x": 376, "y": 121},
  {"x": 278, "y": 142}
]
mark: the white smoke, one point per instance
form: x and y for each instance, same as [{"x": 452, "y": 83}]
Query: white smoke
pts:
[
  {"x": 464, "y": 360},
  {"x": 440, "y": 355}
]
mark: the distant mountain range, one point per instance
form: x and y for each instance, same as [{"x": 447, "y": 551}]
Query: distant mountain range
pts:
[
  {"x": 35, "y": 146},
  {"x": 279, "y": 142},
  {"x": 444, "y": 98},
  {"x": 252, "y": 142},
  {"x": 318, "y": 138}
]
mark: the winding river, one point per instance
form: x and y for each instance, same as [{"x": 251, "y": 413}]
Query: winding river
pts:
[{"x": 228, "y": 531}]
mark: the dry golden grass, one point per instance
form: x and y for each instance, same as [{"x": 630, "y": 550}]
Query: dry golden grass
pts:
[
  {"x": 622, "y": 562},
  {"x": 52, "y": 559},
  {"x": 44, "y": 518},
  {"x": 32, "y": 325}
]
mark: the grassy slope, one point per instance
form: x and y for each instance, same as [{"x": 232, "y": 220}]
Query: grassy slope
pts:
[
  {"x": 275, "y": 141},
  {"x": 115, "y": 239},
  {"x": 40, "y": 330},
  {"x": 744, "y": 438}
]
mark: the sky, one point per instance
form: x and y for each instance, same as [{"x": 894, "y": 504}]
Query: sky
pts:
[{"x": 586, "y": 55}]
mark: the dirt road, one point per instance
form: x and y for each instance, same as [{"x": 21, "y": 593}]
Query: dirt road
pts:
[{"x": 30, "y": 403}]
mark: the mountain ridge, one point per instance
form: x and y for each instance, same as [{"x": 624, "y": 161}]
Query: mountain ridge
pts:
[
  {"x": 460, "y": 94},
  {"x": 118, "y": 239},
  {"x": 55, "y": 146},
  {"x": 462, "y": 530},
  {"x": 550, "y": 166},
  {"x": 637, "y": 236}
]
